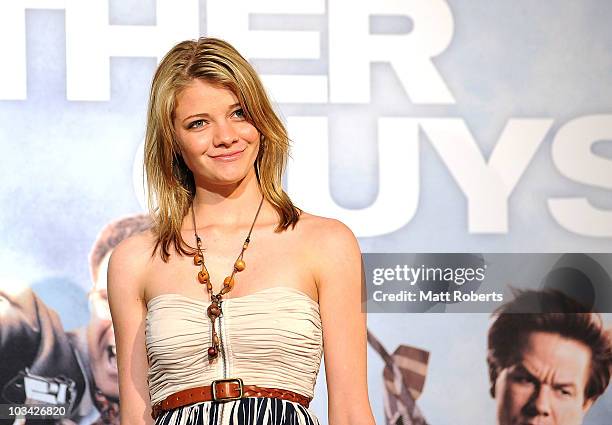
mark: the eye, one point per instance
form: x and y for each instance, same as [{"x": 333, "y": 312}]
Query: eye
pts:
[
  {"x": 239, "y": 113},
  {"x": 196, "y": 124},
  {"x": 565, "y": 392},
  {"x": 521, "y": 378}
]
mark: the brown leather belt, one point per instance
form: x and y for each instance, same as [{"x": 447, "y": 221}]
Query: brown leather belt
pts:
[{"x": 224, "y": 390}]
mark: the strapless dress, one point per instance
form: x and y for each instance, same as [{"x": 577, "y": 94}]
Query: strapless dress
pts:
[{"x": 271, "y": 338}]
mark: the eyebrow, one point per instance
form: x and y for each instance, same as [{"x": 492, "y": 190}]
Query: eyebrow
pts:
[
  {"x": 565, "y": 385},
  {"x": 206, "y": 114},
  {"x": 521, "y": 369}
]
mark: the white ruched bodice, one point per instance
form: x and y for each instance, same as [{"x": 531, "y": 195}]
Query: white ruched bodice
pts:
[{"x": 271, "y": 338}]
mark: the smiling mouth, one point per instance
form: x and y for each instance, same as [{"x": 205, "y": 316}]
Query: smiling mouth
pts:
[{"x": 228, "y": 156}]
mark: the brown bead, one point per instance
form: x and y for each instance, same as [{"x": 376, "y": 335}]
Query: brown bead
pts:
[
  {"x": 215, "y": 340},
  {"x": 239, "y": 265},
  {"x": 245, "y": 246},
  {"x": 197, "y": 260},
  {"x": 213, "y": 311},
  {"x": 228, "y": 282},
  {"x": 209, "y": 286},
  {"x": 203, "y": 277},
  {"x": 212, "y": 352}
]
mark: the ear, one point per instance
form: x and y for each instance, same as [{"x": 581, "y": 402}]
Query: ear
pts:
[{"x": 493, "y": 375}]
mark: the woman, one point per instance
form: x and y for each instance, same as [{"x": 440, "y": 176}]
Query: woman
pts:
[{"x": 208, "y": 331}]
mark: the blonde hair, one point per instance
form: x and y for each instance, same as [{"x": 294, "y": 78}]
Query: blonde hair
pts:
[{"x": 170, "y": 183}]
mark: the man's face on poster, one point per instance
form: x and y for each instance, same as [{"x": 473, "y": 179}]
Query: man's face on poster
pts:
[
  {"x": 546, "y": 385},
  {"x": 101, "y": 337}
]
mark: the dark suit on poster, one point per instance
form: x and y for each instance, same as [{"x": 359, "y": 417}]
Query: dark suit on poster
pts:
[{"x": 35, "y": 348}]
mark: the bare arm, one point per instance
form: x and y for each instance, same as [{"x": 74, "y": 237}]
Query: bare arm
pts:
[
  {"x": 339, "y": 280},
  {"x": 128, "y": 310}
]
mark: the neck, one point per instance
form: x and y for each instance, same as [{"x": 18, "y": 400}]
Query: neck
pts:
[{"x": 229, "y": 205}]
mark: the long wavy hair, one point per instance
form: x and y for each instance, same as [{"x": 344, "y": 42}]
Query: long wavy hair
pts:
[{"x": 170, "y": 182}]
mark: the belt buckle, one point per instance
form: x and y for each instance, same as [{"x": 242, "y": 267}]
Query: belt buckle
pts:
[{"x": 217, "y": 381}]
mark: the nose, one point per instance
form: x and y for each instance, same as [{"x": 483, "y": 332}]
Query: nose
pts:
[
  {"x": 540, "y": 402},
  {"x": 225, "y": 134}
]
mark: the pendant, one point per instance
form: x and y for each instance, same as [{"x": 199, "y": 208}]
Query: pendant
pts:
[
  {"x": 212, "y": 352},
  {"x": 213, "y": 311}
]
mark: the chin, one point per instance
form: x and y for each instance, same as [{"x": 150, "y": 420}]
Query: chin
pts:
[
  {"x": 231, "y": 171},
  {"x": 229, "y": 179},
  {"x": 109, "y": 387},
  {"x": 106, "y": 379}
]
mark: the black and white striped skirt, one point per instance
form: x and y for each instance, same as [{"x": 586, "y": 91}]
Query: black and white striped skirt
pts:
[{"x": 245, "y": 411}]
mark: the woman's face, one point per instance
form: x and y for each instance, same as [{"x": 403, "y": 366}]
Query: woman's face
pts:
[{"x": 217, "y": 143}]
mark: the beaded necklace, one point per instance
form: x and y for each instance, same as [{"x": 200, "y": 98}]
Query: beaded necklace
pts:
[{"x": 214, "y": 309}]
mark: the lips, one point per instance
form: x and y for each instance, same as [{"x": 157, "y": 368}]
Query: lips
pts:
[
  {"x": 534, "y": 421},
  {"x": 228, "y": 156}
]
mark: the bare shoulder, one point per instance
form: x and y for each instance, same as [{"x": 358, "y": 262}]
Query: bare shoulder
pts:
[
  {"x": 327, "y": 234},
  {"x": 129, "y": 261},
  {"x": 333, "y": 250},
  {"x": 134, "y": 250}
]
